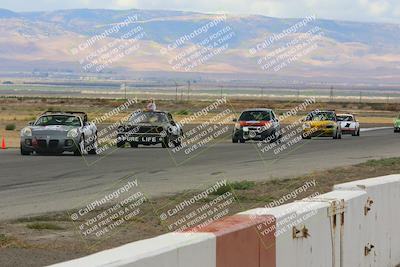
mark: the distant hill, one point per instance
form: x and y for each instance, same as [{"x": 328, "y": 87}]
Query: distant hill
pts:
[{"x": 348, "y": 51}]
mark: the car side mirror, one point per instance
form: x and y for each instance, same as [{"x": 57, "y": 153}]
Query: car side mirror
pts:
[
  {"x": 234, "y": 120},
  {"x": 31, "y": 123}
]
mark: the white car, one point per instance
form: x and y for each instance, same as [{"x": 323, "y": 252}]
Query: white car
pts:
[
  {"x": 59, "y": 131},
  {"x": 349, "y": 124}
]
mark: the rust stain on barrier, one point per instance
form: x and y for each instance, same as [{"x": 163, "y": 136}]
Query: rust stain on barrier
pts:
[
  {"x": 240, "y": 244},
  {"x": 368, "y": 206},
  {"x": 300, "y": 233},
  {"x": 368, "y": 248}
]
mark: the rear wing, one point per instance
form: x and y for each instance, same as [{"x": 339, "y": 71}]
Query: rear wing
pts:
[{"x": 80, "y": 114}]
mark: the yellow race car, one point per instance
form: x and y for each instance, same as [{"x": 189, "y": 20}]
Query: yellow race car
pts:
[{"x": 321, "y": 124}]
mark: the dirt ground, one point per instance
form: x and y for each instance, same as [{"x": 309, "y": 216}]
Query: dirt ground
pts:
[{"x": 51, "y": 238}]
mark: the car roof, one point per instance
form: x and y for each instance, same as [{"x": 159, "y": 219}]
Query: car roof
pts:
[
  {"x": 257, "y": 109},
  {"x": 78, "y": 114},
  {"x": 345, "y": 114},
  {"x": 151, "y": 111}
]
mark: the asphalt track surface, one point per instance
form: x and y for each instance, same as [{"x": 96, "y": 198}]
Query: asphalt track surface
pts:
[{"x": 37, "y": 184}]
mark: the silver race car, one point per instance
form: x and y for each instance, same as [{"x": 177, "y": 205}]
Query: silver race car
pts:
[{"x": 58, "y": 132}]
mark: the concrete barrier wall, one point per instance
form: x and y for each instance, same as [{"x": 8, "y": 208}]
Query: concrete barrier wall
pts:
[
  {"x": 380, "y": 224},
  {"x": 357, "y": 224}
]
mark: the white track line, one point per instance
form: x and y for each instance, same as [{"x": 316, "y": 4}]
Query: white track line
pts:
[{"x": 374, "y": 129}]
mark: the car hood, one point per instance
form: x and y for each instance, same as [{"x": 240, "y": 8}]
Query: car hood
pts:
[
  {"x": 320, "y": 123},
  {"x": 52, "y": 129},
  {"x": 254, "y": 123},
  {"x": 146, "y": 124}
]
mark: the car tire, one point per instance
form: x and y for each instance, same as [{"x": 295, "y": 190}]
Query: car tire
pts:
[
  {"x": 165, "y": 142},
  {"x": 78, "y": 151},
  {"x": 134, "y": 144},
  {"x": 93, "y": 150},
  {"x": 339, "y": 135},
  {"x": 178, "y": 141},
  {"x": 242, "y": 141},
  {"x": 235, "y": 140},
  {"x": 25, "y": 152},
  {"x": 335, "y": 136},
  {"x": 120, "y": 142}
]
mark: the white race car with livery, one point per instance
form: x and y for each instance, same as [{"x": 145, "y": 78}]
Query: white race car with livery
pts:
[{"x": 349, "y": 124}]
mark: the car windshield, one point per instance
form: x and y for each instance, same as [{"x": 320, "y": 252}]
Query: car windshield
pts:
[
  {"x": 321, "y": 116},
  {"x": 58, "y": 120},
  {"x": 148, "y": 117},
  {"x": 255, "y": 116},
  {"x": 345, "y": 118}
]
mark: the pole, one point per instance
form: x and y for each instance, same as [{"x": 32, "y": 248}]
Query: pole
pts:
[
  {"x": 176, "y": 92},
  {"x": 188, "y": 97}
]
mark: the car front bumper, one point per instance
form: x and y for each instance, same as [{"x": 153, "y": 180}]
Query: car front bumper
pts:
[
  {"x": 143, "y": 139},
  {"x": 253, "y": 134},
  {"x": 50, "y": 145},
  {"x": 319, "y": 132},
  {"x": 349, "y": 130}
]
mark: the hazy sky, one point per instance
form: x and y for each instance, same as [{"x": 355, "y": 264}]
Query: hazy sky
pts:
[{"x": 359, "y": 10}]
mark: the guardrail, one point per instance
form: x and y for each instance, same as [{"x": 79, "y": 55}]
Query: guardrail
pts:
[{"x": 357, "y": 224}]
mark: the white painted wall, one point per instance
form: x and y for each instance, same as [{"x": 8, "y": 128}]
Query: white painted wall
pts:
[
  {"x": 328, "y": 243},
  {"x": 174, "y": 249}
]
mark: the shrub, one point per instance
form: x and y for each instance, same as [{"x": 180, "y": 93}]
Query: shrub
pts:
[
  {"x": 10, "y": 127},
  {"x": 183, "y": 112},
  {"x": 44, "y": 226}
]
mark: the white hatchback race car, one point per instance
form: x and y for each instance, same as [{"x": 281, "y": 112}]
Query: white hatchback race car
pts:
[{"x": 349, "y": 124}]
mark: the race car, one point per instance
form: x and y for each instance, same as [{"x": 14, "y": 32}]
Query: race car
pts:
[
  {"x": 321, "y": 124},
  {"x": 397, "y": 125},
  {"x": 258, "y": 124},
  {"x": 150, "y": 128},
  {"x": 349, "y": 124},
  {"x": 58, "y": 132}
]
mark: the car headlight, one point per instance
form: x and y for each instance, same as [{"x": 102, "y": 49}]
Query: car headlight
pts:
[
  {"x": 306, "y": 126},
  {"x": 72, "y": 133},
  {"x": 27, "y": 132}
]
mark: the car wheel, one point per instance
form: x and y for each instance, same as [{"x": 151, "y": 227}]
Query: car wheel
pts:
[
  {"x": 80, "y": 147},
  {"x": 242, "y": 141},
  {"x": 335, "y": 136},
  {"x": 235, "y": 140},
  {"x": 25, "y": 152},
  {"x": 165, "y": 142},
  {"x": 120, "y": 141},
  {"x": 134, "y": 144},
  {"x": 93, "y": 147},
  {"x": 358, "y": 132}
]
